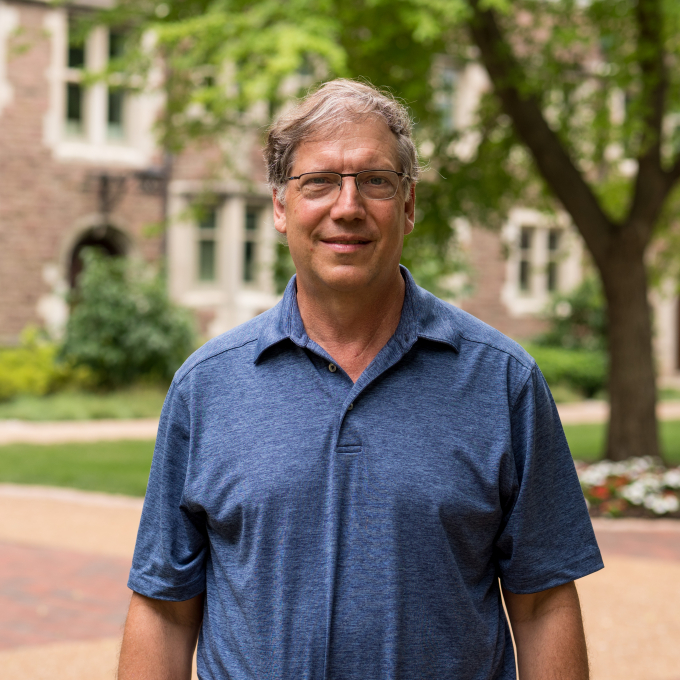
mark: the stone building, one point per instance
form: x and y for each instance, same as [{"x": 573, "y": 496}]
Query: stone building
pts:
[{"x": 79, "y": 167}]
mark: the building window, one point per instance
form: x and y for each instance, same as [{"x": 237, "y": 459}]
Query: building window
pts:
[
  {"x": 75, "y": 105},
  {"x": 250, "y": 244},
  {"x": 115, "y": 120},
  {"x": 115, "y": 123},
  {"x": 207, "y": 246},
  {"x": 554, "y": 239},
  {"x": 526, "y": 246},
  {"x": 96, "y": 52}
]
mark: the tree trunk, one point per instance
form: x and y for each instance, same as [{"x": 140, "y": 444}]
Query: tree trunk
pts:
[{"x": 632, "y": 386}]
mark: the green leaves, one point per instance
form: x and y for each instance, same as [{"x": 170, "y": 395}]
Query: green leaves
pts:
[{"x": 123, "y": 327}]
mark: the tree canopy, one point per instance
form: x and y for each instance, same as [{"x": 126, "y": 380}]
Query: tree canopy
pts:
[{"x": 582, "y": 115}]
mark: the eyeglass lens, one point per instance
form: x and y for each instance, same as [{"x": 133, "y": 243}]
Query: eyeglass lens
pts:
[{"x": 377, "y": 185}]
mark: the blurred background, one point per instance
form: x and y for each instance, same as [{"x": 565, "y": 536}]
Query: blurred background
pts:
[{"x": 135, "y": 224}]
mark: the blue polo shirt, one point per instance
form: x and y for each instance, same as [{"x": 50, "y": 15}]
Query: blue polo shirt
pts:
[{"x": 357, "y": 531}]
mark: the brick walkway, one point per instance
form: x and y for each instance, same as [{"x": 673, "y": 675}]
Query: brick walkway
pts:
[
  {"x": 49, "y": 595},
  {"x": 62, "y": 609}
]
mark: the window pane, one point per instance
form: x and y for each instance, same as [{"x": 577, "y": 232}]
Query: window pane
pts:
[
  {"x": 524, "y": 275},
  {"x": 206, "y": 260},
  {"x": 251, "y": 219},
  {"x": 115, "y": 114},
  {"x": 76, "y": 56},
  {"x": 249, "y": 261},
  {"x": 526, "y": 238},
  {"x": 552, "y": 276},
  {"x": 208, "y": 219},
  {"x": 553, "y": 239},
  {"x": 74, "y": 108},
  {"x": 76, "y": 48},
  {"x": 116, "y": 43}
]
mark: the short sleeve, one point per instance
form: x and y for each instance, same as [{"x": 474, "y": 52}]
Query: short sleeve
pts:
[
  {"x": 547, "y": 538},
  {"x": 171, "y": 546}
]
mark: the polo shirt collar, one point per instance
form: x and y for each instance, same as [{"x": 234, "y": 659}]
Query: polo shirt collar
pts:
[{"x": 422, "y": 316}]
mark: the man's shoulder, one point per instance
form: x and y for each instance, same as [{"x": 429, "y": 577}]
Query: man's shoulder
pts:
[
  {"x": 240, "y": 341},
  {"x": 459, "y": 327}
]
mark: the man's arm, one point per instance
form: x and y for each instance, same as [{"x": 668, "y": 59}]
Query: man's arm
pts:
[
  {"x": 159, "y": 639},
  {"x": 548, "y": 632}
]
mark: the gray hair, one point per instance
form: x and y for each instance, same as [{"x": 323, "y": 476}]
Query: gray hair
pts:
[{"x": 330, "y": 105}]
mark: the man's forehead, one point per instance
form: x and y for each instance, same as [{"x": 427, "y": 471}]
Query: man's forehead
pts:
[{"x": 369, "y": 136}]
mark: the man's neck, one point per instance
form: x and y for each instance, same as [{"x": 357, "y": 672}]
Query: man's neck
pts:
[{"x": 353, "y": 328}]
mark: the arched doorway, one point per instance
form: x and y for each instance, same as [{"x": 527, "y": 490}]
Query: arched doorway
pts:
[{"x": 106, "y": 238}]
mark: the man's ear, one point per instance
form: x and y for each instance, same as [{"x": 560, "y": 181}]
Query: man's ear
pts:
[
  {"x": 410, "y": 210},
  {"x": 279, "y": 213}
]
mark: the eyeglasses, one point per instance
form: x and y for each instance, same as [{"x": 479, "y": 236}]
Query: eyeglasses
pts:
[{"x": 375, "y": 185}]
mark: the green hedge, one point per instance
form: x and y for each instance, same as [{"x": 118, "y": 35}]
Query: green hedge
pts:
[
  {"x": 580, "y": 369},
  {"x": 26, "y": 371},
  {"x": 33, "y": 369}
]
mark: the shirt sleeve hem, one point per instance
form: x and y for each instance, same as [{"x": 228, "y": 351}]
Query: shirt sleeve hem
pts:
[
  {"x": 574, "y": 570},
  {"x": 161, "y": 591}
]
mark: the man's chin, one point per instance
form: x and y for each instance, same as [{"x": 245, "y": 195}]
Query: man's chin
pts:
[{"x": 349, "y": 278}]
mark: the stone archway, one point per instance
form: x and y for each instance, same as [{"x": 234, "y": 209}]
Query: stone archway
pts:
[{"x": 108, "y": 239}]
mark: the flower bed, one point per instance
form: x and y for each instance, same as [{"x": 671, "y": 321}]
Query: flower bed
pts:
[{"x": 637, "y": 487}]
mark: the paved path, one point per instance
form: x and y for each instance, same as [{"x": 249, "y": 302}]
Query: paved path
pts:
[
  {"x": 15, "y": 431},
  {"x": 65, "y": 556}
]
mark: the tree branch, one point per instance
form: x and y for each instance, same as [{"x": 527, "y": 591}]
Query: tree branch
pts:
[
  {"x": 652, "y": 184},
  {"x": 552, "y": 159}
]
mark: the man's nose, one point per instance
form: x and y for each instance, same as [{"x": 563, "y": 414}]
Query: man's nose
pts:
[{"x": 349, "y": 204}]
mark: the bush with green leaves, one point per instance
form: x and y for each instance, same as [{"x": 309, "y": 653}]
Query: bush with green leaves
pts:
[
  {"x": 583, "y": 370},
  {"x": 32, "y": 369},
  {"x": 123, "y": 326},
  {"x": 577, "y": 319}
]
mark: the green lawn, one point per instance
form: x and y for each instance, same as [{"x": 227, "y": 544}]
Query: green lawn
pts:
[
  {"x": 123, "y": 466},
  {"x": 587, "y": 441},
  {"x": 113, "y": 467},
  {"x": 134, "y": 402}
]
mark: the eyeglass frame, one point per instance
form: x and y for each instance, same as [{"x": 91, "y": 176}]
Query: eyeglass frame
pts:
[{"x": 402, "y": 175}]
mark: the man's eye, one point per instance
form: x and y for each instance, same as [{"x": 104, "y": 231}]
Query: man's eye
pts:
[
  {"x": 319, "y": 180},
  {"x": 375, "y": 181}
]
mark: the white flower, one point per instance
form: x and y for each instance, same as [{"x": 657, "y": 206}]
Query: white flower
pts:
[
  {"x": 634, "y": 493},
  {"x": 672, "y": 478},
  {"x": 662, "y": 504}
]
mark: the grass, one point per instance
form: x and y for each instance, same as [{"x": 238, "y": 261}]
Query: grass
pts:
[
  {"x": 113, "y": 467},
  {"x": 135, "y": 402},
  {"x": 123, "y": 466},
  {"x": 587, "y": 441}
]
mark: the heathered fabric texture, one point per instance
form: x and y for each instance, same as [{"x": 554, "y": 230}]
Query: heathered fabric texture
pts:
[{"x": 360, "y": 543}]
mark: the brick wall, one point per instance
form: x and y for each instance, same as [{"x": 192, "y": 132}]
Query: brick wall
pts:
[
  {"x": 488, "y": 265},
  {"x": 41, "y": 198}
]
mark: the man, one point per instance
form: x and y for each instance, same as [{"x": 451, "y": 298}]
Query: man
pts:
[{"x": 339, "y": 484}]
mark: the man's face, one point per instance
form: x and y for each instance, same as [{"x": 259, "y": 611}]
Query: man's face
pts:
[{"x": 347, "y": 243}]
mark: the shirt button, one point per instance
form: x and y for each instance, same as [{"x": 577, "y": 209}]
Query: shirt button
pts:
[
  {"x": 332, "y": 368},
  {"x": 350, "y": 407}
]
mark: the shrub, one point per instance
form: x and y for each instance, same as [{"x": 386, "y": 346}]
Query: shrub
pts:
[
  {"x": 578, "y": 319},
  {"x": 583, "y": 370},
  {"x": 32, "y": 369},
  {"x": 123, "y": 327}
]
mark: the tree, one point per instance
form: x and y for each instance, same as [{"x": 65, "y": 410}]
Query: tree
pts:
[
  {"x": 637, "y": 44},
  {"x": 550, "y": 132}
]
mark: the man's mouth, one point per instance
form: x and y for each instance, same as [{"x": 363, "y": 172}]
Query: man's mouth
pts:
[{"x": 345, "y": 241}]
